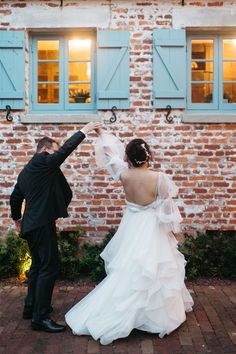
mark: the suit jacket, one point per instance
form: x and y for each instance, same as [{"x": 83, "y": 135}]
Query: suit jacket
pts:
[{"x": 44, "y": 187}]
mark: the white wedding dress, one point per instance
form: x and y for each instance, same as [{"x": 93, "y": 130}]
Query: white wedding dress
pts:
[{"x": 144, "y": 287}]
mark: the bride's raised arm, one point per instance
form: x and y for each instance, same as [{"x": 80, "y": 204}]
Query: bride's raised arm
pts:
[{"x": 110, "y": 153}]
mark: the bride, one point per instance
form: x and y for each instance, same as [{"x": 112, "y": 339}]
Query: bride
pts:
[{"x": 144, "y": 287}]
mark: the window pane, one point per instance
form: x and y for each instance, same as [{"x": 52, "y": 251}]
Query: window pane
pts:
[
  {"x": 229, "y": 71},
  {"x": 229, "y": 93},
  {"x": 48, "y": 50},
  {"x": 202, "y": 49},
  {"x": 79, "y": 71},
  {"x": 229, "y": 48},
  {"x": 79, "y": 49},
  {"x": 79, "y": 93},
  {"x": 48, "y": 93},
  {"x": 202, "y": 71},
  {"x": 48, "y": 71},
  {"x": 202, "y": 93}
]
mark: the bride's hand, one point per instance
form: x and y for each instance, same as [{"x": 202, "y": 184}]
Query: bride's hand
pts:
[
  {"x": 91, "y": 126},
  {"x": 100, "y": 130}
]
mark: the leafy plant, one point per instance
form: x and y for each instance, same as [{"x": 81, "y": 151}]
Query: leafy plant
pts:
[
  {"x": 77, "y": 260},
  {"x": 210, "y": 254},
  {"x": 68, "y": 245},
  {"x": 91, "y": 263},
  {"x": 14, "y": 255},
  {"x": 80, "y": 95}
]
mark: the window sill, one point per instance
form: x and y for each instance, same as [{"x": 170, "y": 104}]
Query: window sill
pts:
[
  {"x": 209, "y": 117},
  {"x": 58, "y": 118}
]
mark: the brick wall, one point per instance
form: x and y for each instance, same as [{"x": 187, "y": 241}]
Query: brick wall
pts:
[{"x": 200, "y": 157}]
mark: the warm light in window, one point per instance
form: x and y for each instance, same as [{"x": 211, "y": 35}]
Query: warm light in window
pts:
[
  {"x": 80, "y": 43},
  {"x": 234, "y": 41},
  {"x": 88, "y": 70},
  {"x": 194, "y": 65}
]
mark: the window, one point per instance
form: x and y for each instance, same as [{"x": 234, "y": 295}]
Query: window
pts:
[
  {"x": 62, "y": 72},
  {"x": 211, "y": 77},
  {"x": 67, "y": 75}
]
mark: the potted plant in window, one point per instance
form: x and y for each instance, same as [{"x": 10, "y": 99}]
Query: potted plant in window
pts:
[
  {"x": 226, "y": 98},
  {"x": 80, "y": 96}
]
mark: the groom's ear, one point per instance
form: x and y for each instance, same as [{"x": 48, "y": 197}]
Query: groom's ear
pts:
[{"x": 43, "y": 149}]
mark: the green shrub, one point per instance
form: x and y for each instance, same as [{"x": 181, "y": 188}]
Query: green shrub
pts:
[
  {"x": 68, "y": 245},
  {"x": 75, "y": 260},
  {"x": 210, "y": 254},
  {"x": 88, "y": 262},
  {"x": 14, "y": 256},
  {"x": 91, "y": 263}
]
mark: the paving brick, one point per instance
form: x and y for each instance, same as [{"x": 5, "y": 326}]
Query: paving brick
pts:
[
  {"x": 147, "y": 346},
  {"x": 232, "y": 337},
  {"x": 120, "y": 346},
  {"x": 210, "y": 328},
  {"x": 93, "y": 347},
  {"x": 185, "y": 339}
]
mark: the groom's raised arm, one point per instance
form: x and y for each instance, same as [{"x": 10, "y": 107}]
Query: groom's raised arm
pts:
[{"x": 59, "y": 156}]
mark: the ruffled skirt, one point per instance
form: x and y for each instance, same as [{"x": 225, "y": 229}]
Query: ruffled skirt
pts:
[{"x": 144, "y": 287}]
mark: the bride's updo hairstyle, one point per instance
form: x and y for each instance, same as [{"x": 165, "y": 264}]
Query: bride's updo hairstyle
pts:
[{"x": 138, "y": 152}]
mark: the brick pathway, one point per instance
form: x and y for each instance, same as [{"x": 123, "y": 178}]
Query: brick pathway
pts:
[{"x": 210, "y": 328}]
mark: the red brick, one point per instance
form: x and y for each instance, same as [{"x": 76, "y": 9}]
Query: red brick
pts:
[{"x": 19, "y": 4}]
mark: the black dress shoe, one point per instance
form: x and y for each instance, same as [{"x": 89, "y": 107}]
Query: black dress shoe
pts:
[
  {"x": 27, "y": 314},
  {"x": 47, "y": 325}
]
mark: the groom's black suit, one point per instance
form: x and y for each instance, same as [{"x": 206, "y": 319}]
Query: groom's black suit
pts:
[{"x": 47, "y": 195}]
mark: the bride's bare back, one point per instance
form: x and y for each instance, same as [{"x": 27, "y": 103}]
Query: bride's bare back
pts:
[{"x": 140, "y": 185}]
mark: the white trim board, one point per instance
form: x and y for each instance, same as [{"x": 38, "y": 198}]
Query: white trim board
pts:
[
  {"x": 204, "y": 17},
  {"x": 59, "y": 118},
  {"x": 38, "y": 16},
  {"x": 208, "y": 118}
]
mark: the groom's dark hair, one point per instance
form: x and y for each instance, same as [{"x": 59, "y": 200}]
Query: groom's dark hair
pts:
[{"x": 46, "y": 141}]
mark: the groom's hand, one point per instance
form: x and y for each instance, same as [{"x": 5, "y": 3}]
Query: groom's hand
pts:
[
  {"x": 91, "y": 126},
  {"x": 18, "y": 225}
]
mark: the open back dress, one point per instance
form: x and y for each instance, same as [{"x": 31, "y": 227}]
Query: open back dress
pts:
[{"x": 144, "y": 287}]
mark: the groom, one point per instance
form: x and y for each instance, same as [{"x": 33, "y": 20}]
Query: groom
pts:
[{"x": 47, "y": 195}]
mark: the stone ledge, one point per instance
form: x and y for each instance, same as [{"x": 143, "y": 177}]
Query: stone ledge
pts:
[
  {"x": 58, "y": 118},
  {"x": 38, "y": 16},
  {"x": 208, "y": 118}
]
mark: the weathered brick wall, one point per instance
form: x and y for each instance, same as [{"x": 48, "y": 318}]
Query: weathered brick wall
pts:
[{"x": 200, "y": 157}]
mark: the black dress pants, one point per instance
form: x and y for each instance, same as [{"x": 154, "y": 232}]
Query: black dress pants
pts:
[{"x": 44, "y": 270}]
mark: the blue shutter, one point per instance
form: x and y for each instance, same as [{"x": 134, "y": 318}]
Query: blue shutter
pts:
[
  {"x": 112, "y": 69},
  {"x": 12, "y": 69},
  {"x": 169, "y": 68}
]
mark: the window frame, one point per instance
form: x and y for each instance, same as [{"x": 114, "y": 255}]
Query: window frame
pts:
[
  {"x": 202, "y": 106},
  {"x": 217, "y": 105},
  {"x": 224, "y": 106},
  {"x": 63, "y": 106}
]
